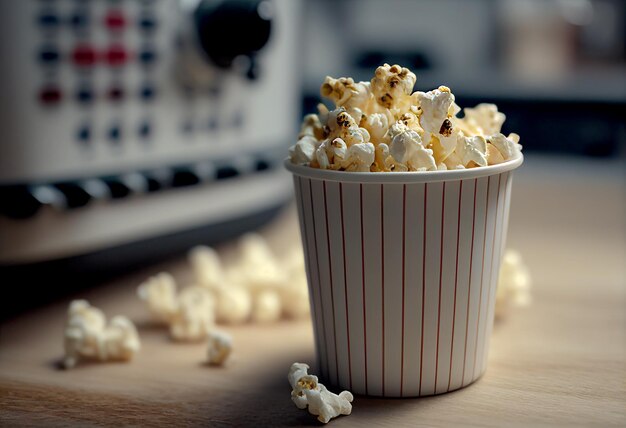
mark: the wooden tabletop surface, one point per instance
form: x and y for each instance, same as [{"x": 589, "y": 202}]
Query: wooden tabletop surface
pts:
[{"x": 559, "y": 362}]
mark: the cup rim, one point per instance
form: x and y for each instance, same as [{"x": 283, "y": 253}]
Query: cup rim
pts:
[{"x": 403, "y": 177}]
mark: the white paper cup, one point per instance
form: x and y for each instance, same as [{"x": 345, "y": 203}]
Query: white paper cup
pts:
[{"x": 402, "y": 271}]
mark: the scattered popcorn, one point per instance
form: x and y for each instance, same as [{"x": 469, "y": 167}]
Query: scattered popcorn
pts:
[
  {"x": 258, "y": 287},
  {"x": 190, "y": 315},
  {"x": 234, "y": 305},
  {"x": 267, "y": 307},
  {"x": 307, "y": 391},
  {"x": 220, "y": 346},
  {"x": 88, "y": 337},
  {"x": 327, "y": 405},
  {"x": 514, "y": 283},
  {"x": 420, "y": 130},
  {"x": 295, "y": 298},
  {"x": 159, "y": 292},
  {"x": 207, "y": 267},
  {"x": 195, "y": 317}
]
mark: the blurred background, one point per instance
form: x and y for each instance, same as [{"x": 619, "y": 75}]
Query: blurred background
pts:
[{"x": 135, "y": 129}]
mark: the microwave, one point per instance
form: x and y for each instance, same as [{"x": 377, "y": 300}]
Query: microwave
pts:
[{"x": 132, "y": 121}]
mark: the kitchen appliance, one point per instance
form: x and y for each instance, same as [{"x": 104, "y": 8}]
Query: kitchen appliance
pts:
[{"x": 127, "y": 120}]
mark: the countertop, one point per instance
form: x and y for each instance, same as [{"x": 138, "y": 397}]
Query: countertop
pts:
[{"x": 560, "y": 361}]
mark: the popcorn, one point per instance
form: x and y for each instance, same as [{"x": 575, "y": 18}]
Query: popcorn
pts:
[
  {"x": 514, "y": 283},
  {"x": 312, "y": 126},
  {"x": 327, "y": 405},
  {"x": 471, "y": 151},
  {"x": 434, "y": 106},
  {"x": 307, "y": 391},
  {"x": 304, "y": 150},
  {"x": 484, "y": 119},
  {"x": 507, "y": 147},
  {"x": 359, "y": 157},
  {"x": 267, "y": 307},
  {"x": 406, "y": 147},
  {"x": 206, "y": 267},
  {"x": 376, "y": 124},
  {"x": 88, "y": 337},
  {"x": 331, "y": 153},
  {"x": 373, "y": 112},
  {"x": 342, "y": 125},
  {"x": 234, "y": 305},
  {"x": 259, "y": 286},
  {"x": 195, "y": 317},
  {"x": 159, "y": 292},
  {"x": 295, "y": 297},
  {"x": 219, "y": 348},
  {"x": 257, "y": 268},
  {"x": 190, "y": 315},
  {"x": 392, "y": 86}
]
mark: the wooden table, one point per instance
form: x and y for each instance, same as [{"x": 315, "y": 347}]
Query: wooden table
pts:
[{"x": 560, "y": 361}]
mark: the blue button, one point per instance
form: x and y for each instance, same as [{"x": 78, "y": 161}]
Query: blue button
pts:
[
  {"x": 145, "y": 129},
  {"x": 79, "y": 20},
  {"x": 147, "y": 22},
  {"x": 147, "y": 92},
  {"x": 84, "y": 95},
  {"x": 115, "y": 133},
  {"x": 84, "y": 134},
  {"x": 49, "y": 55},
  {"x": 147, "y": 56},
  {"x": 48, "y": 20}
]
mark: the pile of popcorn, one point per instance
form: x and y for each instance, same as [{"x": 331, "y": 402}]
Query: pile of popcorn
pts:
[
  {"x": 259, "y": 287},
  {"x": 382, "y": 126}
]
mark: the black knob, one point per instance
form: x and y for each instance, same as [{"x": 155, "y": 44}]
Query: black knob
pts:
[{"x": 230, "y": 29}]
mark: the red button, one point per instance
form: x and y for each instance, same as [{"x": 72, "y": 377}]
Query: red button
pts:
[
  {"x": 50, "y": 95},
  {"x": 84, "y": 55},
  {"x": 115, "y": 20},
  {"x": 116, "y": 55}
]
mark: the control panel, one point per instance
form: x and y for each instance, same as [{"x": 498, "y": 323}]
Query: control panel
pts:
[{"x": 107, "y": 99}]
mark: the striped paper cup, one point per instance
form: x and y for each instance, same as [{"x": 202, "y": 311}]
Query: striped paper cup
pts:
[{"x": 402, "y": 271}]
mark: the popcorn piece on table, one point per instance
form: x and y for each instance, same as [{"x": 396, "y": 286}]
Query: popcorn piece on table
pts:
[
  {"x": 267, "y": 307},
  {"x": 159, "y": 292},
  {"x": 190, "y": 315},
  {"x": 307, "y": 391},
  {"x": 234, "y": 305},
  {"x": 87, "y": 336},
  {"x": 195, "y": 317},
  {"x": 258, "y": 267},
  {"x": 207, "y": 267},
  {"x": 514, "y": 283},
  {"x": 295, "y": 297},
  {"x": 327, "y": 405},
  {"x": 219, "y": 348}
]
